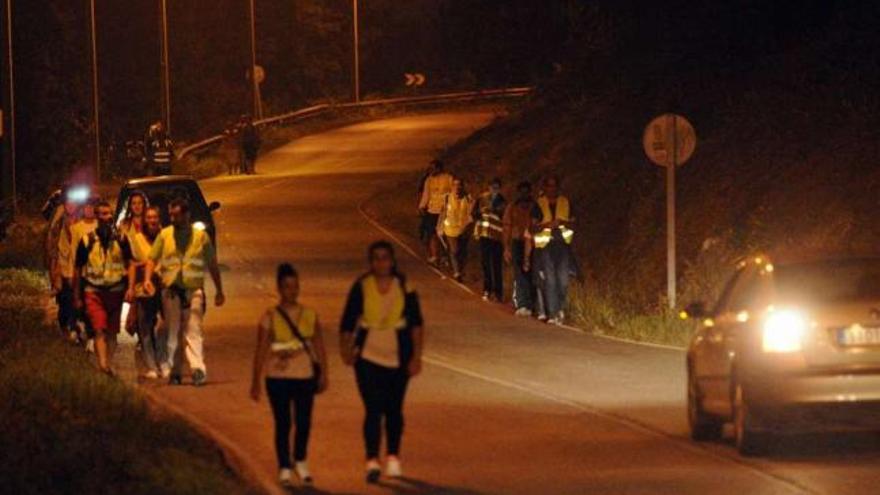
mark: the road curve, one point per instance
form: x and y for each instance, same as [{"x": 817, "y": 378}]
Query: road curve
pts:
[{"x": 504, "y": 405}]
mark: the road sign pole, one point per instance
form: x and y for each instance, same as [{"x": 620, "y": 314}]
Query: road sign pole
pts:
[
  {"x": 670, "y": 218},
  {"x": 8, "y": 158},
  {"x": 256, "y": 85},
  {"x": 356, "y": 50},
  {"x": 166, "y": 70}
]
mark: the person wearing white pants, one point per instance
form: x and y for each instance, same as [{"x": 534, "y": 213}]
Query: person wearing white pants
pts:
[{"x": 183, "y": 252}]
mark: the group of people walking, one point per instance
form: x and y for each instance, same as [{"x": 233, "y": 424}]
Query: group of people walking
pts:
[
  {"x": 97, "y": 264},
  {"x": 245, "y": 138},
  {"x": 533, "y": 235},
  {"x": 381, "y": 337}
]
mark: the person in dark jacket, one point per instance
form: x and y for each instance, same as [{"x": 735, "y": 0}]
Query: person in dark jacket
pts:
[
  {"x": 250, "y": 145},
  {"x": 381, "y": 335},
  {"x": 489, "y": 231}
]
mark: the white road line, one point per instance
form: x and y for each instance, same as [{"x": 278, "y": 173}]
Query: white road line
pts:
[{"x": 621, "y": 420}]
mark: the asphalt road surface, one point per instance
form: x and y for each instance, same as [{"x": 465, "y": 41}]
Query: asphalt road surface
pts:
[{"x": 504, "y": 405}]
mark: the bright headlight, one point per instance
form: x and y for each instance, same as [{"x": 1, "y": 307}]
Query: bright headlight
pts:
[
  {"x": 784, "y": 330},
  {"x": 78, "y": 194},
  {"x": 200, "y": 226}
]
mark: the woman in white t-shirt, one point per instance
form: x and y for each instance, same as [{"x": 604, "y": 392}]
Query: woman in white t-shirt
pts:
[{"x": 291, "y": 356}]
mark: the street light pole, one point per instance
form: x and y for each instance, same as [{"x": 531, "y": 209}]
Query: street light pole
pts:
[
  {"x": 95, "y": 100},
  {"x": 166, "y": 70},
  {"x": 356, "y": 50},
  {"x": 255, "y": 84},
  {"x": 11, "y": 186}
]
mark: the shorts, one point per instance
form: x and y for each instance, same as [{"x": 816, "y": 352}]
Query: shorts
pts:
[
  {"x": 428, "y": 227},
  {"x": 104, "y": 309}
]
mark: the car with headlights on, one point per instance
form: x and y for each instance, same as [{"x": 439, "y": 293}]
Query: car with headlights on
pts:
[{"x": 787, "y": 347}]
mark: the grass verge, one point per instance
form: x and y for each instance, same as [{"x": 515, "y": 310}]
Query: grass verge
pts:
[{"x": 68, "y": 429}]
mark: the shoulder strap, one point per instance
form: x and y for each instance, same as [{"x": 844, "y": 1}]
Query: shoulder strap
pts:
[{"x": 295, "y": 330}]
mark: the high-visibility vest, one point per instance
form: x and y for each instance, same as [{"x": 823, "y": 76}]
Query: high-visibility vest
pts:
[
  {"x": 374, "y": 316},
  {"x": 489, "y": 225},
  {"x": 162, "y": 151},
  {"x": 140, "y": 252},
  {"x": 563, "y": 214},
  {"x": 190, "y": 265},
  {"x": 283, "y": 338},
  {"x": 105, "y": 268}
]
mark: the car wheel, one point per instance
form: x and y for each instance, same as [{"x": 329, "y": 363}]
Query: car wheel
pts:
[
  {"x": 704, "y": 427},
  {"x": 749, "y": 440}
]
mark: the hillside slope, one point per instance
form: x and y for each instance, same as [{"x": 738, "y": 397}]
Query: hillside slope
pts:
[{"x": 786, "y": 111}]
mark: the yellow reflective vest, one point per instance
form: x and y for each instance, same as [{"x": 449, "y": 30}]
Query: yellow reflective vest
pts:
[
  {"x": 283, "y": 338},
  {"x": 489, "y": 224},
  {"x": 563, "y": 214},
  {"x": 376, "y": 316},
  {"x": 188, "y": 265},
  {"x": 105, "y": 268}
]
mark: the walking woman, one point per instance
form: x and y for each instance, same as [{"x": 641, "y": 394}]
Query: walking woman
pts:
[
  {"x": 291, "y": 356},
  {"x": 133, "y": 222},
  {"x": 382, "y": 337},
  {"x": 454, "y": 221}
]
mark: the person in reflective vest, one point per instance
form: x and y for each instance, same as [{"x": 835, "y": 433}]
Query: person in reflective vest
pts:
[
  {"x": 489, "y": 231},
  {"x": 144, "y": 309},
  {"x": 382, "y": 335},
  {"x": 101, "y": 257},
  {"x": 432, "y": 199},
  {"x": 553, "y": 222},
  {"x": 159, "y": 150},
  {"x": 455, "y": 218},
  {"x": 183, "y": 252},
  {"x": 291, "y": 361}
]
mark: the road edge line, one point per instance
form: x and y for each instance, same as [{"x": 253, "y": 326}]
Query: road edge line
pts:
[
  {"x": 233, "y": 456},
  {"x": 388, "y": 232}
]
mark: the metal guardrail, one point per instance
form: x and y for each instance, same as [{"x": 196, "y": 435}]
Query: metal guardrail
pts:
[{"x": 305, "y": 113}]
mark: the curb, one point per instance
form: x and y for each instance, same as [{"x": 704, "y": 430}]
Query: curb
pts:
[
  {"x": 394, "y": 237},
  {"x": 233, "y": 456}
]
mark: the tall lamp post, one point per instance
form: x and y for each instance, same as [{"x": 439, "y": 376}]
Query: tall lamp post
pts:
[
  {"x": 95, "y": 100},
  {"x": 258, "y": 110},
  {"x": 166, "y": 70},
  {"x": 356, "y": 50},
  {"x": 8, "y": 134}
]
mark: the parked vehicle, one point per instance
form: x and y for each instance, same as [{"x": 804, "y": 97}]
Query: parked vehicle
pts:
[{"x": 786, "y": 348}]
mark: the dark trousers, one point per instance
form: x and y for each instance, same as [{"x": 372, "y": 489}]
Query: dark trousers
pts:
[
  {"x": 147, "y": 309},
  {"x": 491, "y": 253},
  {"x": 66, "y": 309},
  {"x": 382, "y": 391},
  {"x": 523, "y": 286},
  {"x": 282, "y": 393}
]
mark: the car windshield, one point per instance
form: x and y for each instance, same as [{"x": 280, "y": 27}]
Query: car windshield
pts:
[
  {"x": 160, "y": 194},
  {"x": 831, "y": 281}
]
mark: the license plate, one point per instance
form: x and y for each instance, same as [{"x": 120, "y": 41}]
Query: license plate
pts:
[{"x": 858, "y": 335}]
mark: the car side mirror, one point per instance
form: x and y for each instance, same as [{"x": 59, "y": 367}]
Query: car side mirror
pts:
[
  {"x": 214, "y": 206},
  {"x": 696, "y": 310}
]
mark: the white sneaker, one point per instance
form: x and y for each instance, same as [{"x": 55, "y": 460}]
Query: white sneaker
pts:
[
  {"x": 374, "y": 470},
  {"x": 151, "y": 375},
  {"x": 554, "y": 321},
  {"x": 284, "y": 478},
  {"x": 542, "y": 317},
  {"x": 485, "y": 296},
  {"x": 524, "y": 312},
  {"x": 302, "y": 472},
  {"x": 166, "y": 372},
  {"x": 90, "y": 346},
  {"x": 392, "y": 467}
]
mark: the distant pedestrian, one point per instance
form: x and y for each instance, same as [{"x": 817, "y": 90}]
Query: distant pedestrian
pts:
[
  {"x": 553, "y": 235},
  {"x": 489, "y": 231},
  {"x": 455, "y": 219},
  {"x": 517, "y": 221},
  {"x": 382, "y": 335},
  {"x": 146, "y": 306},
  {"x": 250, "y": 145},
  {"x": 183, "y": 253},
  {"x": 434, "y": 190},
  {"x": 101, "y": 259},
  {"x": 291, "y": 356},
  {"x": 230, "y": 135},
  {"x": 158, "y": 150}
]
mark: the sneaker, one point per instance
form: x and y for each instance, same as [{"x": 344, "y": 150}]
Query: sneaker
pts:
[
  {"x": 486, "y": 296},
  {"x": 302, "y": 472},
  {"x": 374, "y": 471},
  {"x": 525, "y": 312},
  {"x": 553, "y": 321},
  {"x": 432, "y": 262},
  {"x": 458, "y": 278},
  {"x": 165, "y": 372},
  {"x": 392, "y": 467},
  {"x": 199, "y": 377},
  {"x": 73, "y": 337},
  {"x": 542, "y": 317},
  {"x": 175, "y": 379},
  {"x": 151, "y": 375},
  {"x": 284, "y": 478},
  {"x": 90, "y": 346}
]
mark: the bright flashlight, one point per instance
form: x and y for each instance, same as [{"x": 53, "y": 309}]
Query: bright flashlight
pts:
[
  {"x": 784, "y": 331},
  {"x": 78, "y": 194},
  {"x": 199, "y": 226}
]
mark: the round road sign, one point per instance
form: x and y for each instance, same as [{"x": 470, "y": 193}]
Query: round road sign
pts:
[{"x": 669, "y": 139}]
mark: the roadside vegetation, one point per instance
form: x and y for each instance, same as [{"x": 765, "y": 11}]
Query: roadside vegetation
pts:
[
  {"x": 68, "y": 429},
  {"x": 786, "y": 111}
]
